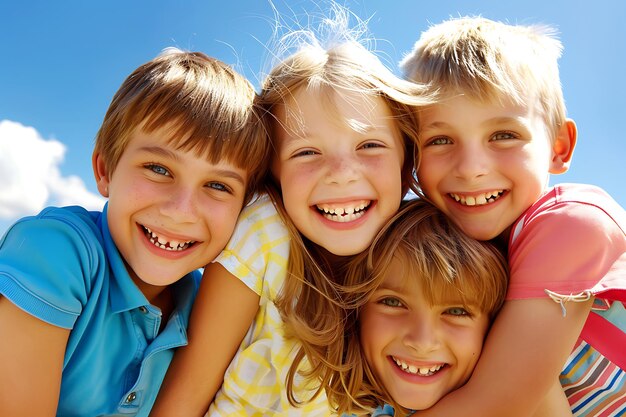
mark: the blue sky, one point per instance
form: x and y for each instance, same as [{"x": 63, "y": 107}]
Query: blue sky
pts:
[{"x": 63, "y": 61}]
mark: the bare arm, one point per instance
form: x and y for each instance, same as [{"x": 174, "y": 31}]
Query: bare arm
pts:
[
  {"x": 222, "y": 313},
  {"x": 523, "y": 356},
  {"x": 530, "y": 340},
  {"x": 555, "y": 403},
  {"x": 32, "y": 354}
]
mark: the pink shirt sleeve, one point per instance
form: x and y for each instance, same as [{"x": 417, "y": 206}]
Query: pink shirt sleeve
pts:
[{"x": 568, "y": 246}]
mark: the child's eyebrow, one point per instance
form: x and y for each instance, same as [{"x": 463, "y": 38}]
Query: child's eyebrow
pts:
[
  {"x": 506, "y": 120},
  {"x": 435, "y": 125},
  {"x": 496, "y": 121},
  {"x": 230, "y": 174},
  {"x": 157, "y": 150},
  {"x": 367, "y": 127},
  {"x": 393, "y": 284},
  {"x": 355, "y": 127}
]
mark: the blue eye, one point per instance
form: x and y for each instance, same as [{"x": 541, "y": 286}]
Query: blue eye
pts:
[
  {"x": 157, "y": 169},
  {"x": 306, "y": 152},
  {"x": 504, "y": 136},
  {"x": 440, "y": 140},
  {"x": 391, "y": 302},
  {"x": 219, "y": 187},
  {"x": 371, "y": 145},
  {"x": 457, "y": 311}
]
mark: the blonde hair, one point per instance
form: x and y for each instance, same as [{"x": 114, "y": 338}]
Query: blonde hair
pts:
[
  {"x": 490, "y": 61},
  {"x": 343, "y": 63},
  {"x": 437, "y": 253},
  {"x": 209, "y": 106}
]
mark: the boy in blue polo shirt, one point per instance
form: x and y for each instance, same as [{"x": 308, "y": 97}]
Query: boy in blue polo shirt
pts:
[{"x": 92, "y": 304}]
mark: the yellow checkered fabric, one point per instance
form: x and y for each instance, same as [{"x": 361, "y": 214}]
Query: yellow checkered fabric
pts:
[{"x": 254, "y": 383}]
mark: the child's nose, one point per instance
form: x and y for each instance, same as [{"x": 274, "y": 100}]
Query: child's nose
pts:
[
  {"x": 181, "y": 205},
  {"x": 341, "y": 170},
  {"x": 421, "y": 334},
  {"x": 472, "y": 162}
]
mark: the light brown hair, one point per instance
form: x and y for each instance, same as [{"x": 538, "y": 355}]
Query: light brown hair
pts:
[
  {"x": 436, "y": 253},
  {"x": 343, "y": 64},
  {"x": 209, "y": 107},
  {"x": 490, "y": 61}
]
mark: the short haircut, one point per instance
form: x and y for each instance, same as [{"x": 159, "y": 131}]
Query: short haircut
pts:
[
  {"x": 208, "y": 106},
  {"x": 490, "y": 61}
]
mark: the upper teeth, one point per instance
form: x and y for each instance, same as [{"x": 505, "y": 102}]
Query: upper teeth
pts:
[
  {"x": 477, "y": 200},
  {"x": 417, "y": 370},
  {"x": 165, "y": 244},
  {"x": 345, "y": 213}
]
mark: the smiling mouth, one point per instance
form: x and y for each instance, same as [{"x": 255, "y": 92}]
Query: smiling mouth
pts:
[
  {"x": 477, "y": 200},
  {"x": 344, "y": 213},
  {"x": 162, "y": 243},
  {"x": 417, "y": 370}
]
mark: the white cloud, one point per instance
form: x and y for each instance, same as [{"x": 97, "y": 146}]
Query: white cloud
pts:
[{"x": 30, "y": 178}]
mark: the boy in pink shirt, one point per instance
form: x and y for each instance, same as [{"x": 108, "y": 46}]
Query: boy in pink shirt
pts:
[{"x": 486, "y": 151}]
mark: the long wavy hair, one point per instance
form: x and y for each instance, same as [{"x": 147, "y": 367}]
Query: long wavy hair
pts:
[{"x": 309, "y": 302}]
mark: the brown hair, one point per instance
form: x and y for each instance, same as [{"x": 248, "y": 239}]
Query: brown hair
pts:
[{"x": 209, "y": 106}]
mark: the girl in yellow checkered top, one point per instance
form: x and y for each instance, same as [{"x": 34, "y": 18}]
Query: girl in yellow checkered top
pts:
[{"x": 343, "y": 129}]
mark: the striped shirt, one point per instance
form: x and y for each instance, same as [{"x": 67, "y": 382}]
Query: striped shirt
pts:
[{"x": 594, "y": 385}]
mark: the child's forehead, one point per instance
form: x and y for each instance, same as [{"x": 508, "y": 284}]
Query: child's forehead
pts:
[
  {"x": 334, "y": 96},
  {"x": 491, "y": 97},
  {"x": 176, "y": 136},
  {"x": 357, "y": 110},
  {"x": 168, "y": 132},
  {"x": 403, "y": 275},
  {"x": 528, "y": 107}
]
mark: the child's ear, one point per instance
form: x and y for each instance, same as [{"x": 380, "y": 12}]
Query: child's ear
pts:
[
  {"x": 100, "y": 173},
  {"x": 563, "y": 147}
]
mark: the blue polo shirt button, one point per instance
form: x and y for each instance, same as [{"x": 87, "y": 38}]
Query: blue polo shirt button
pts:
[
  {"x": 143, "y": 309},
  {"x": 131, "y": 397}
]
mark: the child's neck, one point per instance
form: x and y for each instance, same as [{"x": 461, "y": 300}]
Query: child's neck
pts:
[
  {"x": 165, "y": 302},
  {"x": 158, "y": 296},
  {"x": 331, "y": 264}
]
